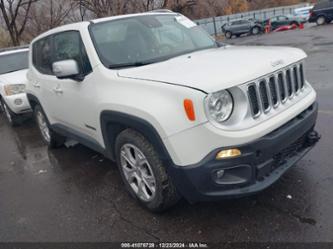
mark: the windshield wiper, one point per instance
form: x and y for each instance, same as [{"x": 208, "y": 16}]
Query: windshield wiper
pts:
[{"x": 130, "y": 64}]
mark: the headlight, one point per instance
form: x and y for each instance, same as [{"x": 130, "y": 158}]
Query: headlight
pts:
[
  {"x": 219, "y": 106},
  {"x": 14, "y": 89}
]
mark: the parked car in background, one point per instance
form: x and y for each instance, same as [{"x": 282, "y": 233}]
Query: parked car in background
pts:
[
  {"x": 303, "y": 13},
  {"x": 322, "y": 12},
  {"x": 13, "y": 70},
  {"x": 240, "y": 27},
  {"x": 284, "y": 20}
]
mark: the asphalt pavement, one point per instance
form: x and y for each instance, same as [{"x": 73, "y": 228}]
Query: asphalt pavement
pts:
[{"x": 74, "y": 194}]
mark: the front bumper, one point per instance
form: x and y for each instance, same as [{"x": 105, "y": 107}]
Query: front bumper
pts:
[
  {"x": 18, "y": 103},
  {"x": 313, "y": 18},
  {"x": 261, "y": 164}
]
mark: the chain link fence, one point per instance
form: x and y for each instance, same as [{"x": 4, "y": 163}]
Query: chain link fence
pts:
[{"x": 213, "y": 25}]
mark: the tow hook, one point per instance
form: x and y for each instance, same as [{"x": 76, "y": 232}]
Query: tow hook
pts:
[{"x": 313, "y": 138}]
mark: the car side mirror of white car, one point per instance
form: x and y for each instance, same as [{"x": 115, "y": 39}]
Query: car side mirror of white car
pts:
[{"x": 67, "y": 69}]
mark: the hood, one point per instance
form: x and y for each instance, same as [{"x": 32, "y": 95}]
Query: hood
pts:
[
  {"x": 217, "y": 69},
  {"x": 17, "y": 77}
]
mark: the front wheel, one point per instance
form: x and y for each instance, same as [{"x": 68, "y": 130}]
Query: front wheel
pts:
[
  {"x": 12, "y": 118},
  {"x": 255, "y": 31},
  {"x": 143, "y": 172},
  {"x": 50, "y": 138},
  {"x": 321, "y": 20},
  {"x": 228, "y": 35}
]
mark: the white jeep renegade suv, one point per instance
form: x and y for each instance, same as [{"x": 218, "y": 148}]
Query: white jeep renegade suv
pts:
[
  {"x": 13, "y": 70},
  {"x": 182, "y": 115}
]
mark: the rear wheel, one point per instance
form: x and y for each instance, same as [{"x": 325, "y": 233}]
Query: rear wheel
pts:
[
  {"x": 228, "y": 35},
  {"x": 321, "y": 20},
  {"x": 50, "y": 138},
  {"x": 143, "y": 172}
]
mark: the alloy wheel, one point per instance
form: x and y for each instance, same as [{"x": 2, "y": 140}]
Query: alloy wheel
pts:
[
  {"x": 321, "y": 20},
  {"x": 255, "y": 30},
  {"x": 45, "y": 131},
  {"x": 138, "y": 172},
  {"x": 228, "y": 35}
]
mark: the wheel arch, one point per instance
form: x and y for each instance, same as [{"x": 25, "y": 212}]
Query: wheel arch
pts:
[
  {"x": 113, "y": 123},
  {"x": 33, "y": 100}
]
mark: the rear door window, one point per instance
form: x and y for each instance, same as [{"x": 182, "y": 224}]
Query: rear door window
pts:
[
  {"x": 323, "y": 4},
  {"x": 42, "y": 55}
]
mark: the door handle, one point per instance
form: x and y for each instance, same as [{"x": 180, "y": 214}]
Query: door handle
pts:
[
  {"x": 35, "y": 85},
  {"x": 58, "y": 90}
]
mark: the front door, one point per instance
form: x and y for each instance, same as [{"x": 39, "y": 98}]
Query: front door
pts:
[{"x": 75, "y": 107}]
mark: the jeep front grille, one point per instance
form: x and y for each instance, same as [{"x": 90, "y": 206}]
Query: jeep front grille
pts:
[{"x": 276, "y": 89}]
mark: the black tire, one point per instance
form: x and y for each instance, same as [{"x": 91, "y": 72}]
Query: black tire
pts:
[
  {"x": 1, "y": 108},
  {"x": 321, "y": 20},
  {"x": 165, "y": 195},
  {"x": 228, "y": 35},
  {"x": 54, "y": 140},
  {"x": 12, "y": 118},
  {"x": 255, "y": 30},
  {"x": 295, "y": 23}
]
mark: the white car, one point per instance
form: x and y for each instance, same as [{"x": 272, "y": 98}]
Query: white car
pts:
[
  {"x": 182, "y": 115},
  {"x": 13, "y": 70},
  {"x": 303, "y": 13}
]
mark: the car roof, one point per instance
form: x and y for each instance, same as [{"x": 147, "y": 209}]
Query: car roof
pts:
[
  {"x": 304, "y": 8},
  {"x": 238, "y": 20},
  {"x": 151, "y": 13},
  {"x": 13, "y": 50}
]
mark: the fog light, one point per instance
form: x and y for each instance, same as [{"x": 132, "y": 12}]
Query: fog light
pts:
[
  {"x": 18, "y": 101},
  {"x": 224, "y": 154},
  {"x": 219, "y": 174}
]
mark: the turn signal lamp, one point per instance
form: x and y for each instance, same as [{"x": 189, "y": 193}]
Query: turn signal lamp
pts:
[{"x": 189, "y": 109}]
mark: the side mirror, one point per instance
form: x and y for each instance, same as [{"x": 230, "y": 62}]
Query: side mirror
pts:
[{"x": 67, "y": 69}]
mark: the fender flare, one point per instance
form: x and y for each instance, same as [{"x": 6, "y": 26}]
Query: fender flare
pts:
[
  {"x": 33, "y": 99},
  {"x": 112, "y": 123}
]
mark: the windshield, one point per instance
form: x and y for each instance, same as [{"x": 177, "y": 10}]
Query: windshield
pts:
[
  {"x": 142, "y": 40},
  {"x": 13, "y": 62}
]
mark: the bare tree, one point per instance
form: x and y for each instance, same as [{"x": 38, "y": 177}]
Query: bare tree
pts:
[
  {"x": 15, "y": 14},
  {"x": 48, "y": 14},
  {"x": 102, "y": 8}
]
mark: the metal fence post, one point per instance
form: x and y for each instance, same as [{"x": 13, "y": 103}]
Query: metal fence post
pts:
[{"x": 215, "y": 28}]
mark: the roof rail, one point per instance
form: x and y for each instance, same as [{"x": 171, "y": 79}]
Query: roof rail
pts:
[
  {"x": 162, "y": 11},
  {"x": 13, "y": 48}
]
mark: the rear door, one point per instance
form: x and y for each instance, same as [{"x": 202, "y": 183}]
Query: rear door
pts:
[
  {"x": 284, "y": 20},
  {"x": 324, "y": 8},
  {"x": 330, "y": 10},
  {"x": 42, "y": 78},
  {"x": 237, "y": 27},
  {"x": 245, "y": 26}
]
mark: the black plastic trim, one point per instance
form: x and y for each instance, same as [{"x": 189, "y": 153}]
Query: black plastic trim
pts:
[
  {"x": 79, "y": 137},
  {"x": 112, "y": 123},
  {"x": 196, "y": 183}
]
